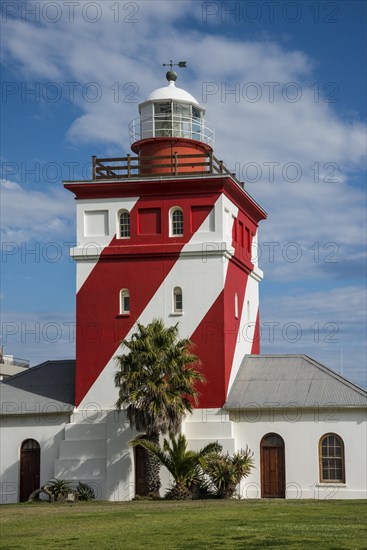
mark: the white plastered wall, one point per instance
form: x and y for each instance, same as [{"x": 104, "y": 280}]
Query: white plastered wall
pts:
[
  {"x": 201, "y": 275},
  {"x": 301, "y": 431},
  {"x": 47, "y": 429},
  {"x": 89, "y": 247},
  {"x": 247, "y": 326}
]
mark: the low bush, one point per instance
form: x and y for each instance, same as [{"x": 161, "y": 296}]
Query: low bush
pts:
[
  {"x": 225, "y": 471},
  {"x": 60, "y": 488},
  {"x": 85, "y": 492}
]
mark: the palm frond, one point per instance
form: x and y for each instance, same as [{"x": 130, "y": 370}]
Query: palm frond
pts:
[{"x": 157, "y": 377}]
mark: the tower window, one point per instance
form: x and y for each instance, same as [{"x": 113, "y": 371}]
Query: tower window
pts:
[
  {"x": 331, "y": 456},
  {"x": 163, "y": 119},
  {"x": 241, "y": 237},
  {"x": 124, "y": 301},
  {"x": 236, "y": 305},
  {"x": 124, "y": 224},
  {"x": 164, "y": 108},
  {"x": 248, "y": 241},
  {"x": 176, "y": 222},
  {"x": 177, "y": 300},
  {"x": 234, "y": 229},
  {"x": 174, "y": 119}
]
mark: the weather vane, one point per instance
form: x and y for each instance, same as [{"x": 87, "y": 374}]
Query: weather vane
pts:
[
  {"x": 171, "y": 75},
  {"x": 181, "y": 64}
]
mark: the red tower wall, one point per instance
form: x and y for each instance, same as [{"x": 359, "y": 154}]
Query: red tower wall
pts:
[
  {"x": 169, "y": 147},
  {"x": 142, "y": 262}
]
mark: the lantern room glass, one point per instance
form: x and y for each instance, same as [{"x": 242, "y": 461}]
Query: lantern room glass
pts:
[{"x": 171, "y": 119}]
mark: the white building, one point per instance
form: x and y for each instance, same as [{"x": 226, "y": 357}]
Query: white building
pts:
[
  {"x": 10, "y": 365},
  {"x": 170, "y": 234}
]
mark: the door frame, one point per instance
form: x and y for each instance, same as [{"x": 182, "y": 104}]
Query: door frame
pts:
[
  {"x": 140, "y": 462},
  {"x": 280, "y": 473},
  {"x": 34, "y": 457}
]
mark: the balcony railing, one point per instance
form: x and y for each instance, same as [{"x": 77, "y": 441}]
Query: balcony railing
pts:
[
  {"x": 152, "y": 166},
  {"x": 170, "y": 125},
  {"x": 14, "y": 361}
]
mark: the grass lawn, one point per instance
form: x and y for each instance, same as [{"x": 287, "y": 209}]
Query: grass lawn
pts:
[{"x": 193, "y": 525}]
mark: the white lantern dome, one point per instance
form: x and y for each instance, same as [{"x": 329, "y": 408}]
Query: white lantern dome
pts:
[{"x": 171, "y": 92}]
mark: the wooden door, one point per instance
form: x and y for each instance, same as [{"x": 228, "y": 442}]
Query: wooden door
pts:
[
  {"x": 272, "y": 466},
  {"x": 140, "y": 472},
  {"x": 29, "y": 468}
]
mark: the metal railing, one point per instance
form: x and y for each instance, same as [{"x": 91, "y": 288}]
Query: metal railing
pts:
[
  {"x": 170, "y": 125},
  {"x": 170, "y": 165},
  {"x": 14, "y": 361}
]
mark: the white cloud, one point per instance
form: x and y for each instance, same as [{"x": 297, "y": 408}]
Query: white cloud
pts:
[
  {"x": 109, "y": 53},
  {"x": 328, "y": 325},
  {"x": 326, "y": 221},
  {"x": 308, "y": 132},
  {"x": 34, "y": 215}
]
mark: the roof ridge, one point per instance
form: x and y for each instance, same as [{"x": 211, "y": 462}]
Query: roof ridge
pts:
[
  {"x": 339, "y": 377},
  {"x": 285, "y": 379},
  {"x": 48, "y": 382},
  {"x": 36, "y": 367}
]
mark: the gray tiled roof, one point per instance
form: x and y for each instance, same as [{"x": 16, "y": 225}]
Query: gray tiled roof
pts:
[
  {"x": 276, "y": 381},
  {"x": 48, "y": 387}
]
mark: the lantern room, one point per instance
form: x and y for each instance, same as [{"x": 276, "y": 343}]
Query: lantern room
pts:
[
  {"x": 169, "y": 137},
  {"x": 171, "y": 112}
]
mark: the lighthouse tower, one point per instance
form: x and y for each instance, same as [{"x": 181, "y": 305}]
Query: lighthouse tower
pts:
[{"x": 167, "y": 232}]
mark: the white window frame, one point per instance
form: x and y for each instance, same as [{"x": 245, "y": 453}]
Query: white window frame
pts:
[
  {"x": 326, "y": 460},
  {"x": 177, "y": 291},
  {"x": 172, "y": 222},
  {"x": 119, "y": 232},
  {"x": 124, "y": 294}
]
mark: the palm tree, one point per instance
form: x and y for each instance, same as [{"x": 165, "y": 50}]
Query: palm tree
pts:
[
  {"x": 156, "y": 380},
  {"x": 186, "y": 467}
]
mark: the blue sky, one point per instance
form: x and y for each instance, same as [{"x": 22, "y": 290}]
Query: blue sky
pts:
[{"x": 284, "y": 85}]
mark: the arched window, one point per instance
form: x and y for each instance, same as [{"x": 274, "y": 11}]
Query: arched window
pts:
[
  {"x": 177, "y": 300},
  {"x": 124, "y": 301},
  {"x": 176, "y": 222},
  {"x": 331, "y": 457},
  {"x": 124, "y": 224}
]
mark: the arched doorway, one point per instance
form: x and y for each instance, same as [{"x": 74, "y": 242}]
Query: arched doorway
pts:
[
  {"x": 272, "y": 464},
  {"x": 29, "y": 468},
  {"x": 140, "y": 472}
]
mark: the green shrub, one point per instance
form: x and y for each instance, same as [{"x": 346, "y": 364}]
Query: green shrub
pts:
[
  {"x": 225, "y": 471},
  {"x": 60, "y": 488},
  {"x": 185, "y": 466},
  {"x": 85, "y": 491}
]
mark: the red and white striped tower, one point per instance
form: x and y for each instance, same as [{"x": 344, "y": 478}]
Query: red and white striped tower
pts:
[{"x": 167, "y": 234}]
